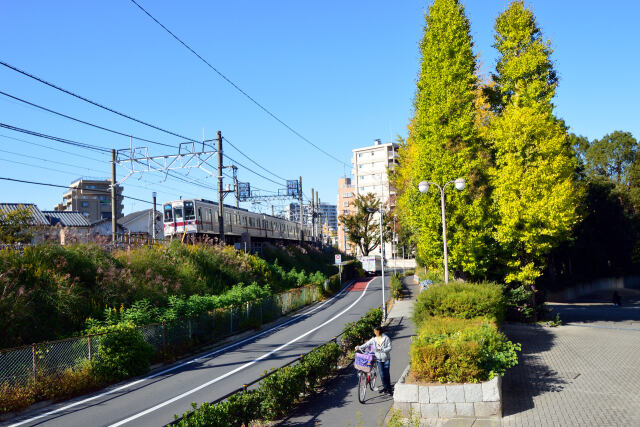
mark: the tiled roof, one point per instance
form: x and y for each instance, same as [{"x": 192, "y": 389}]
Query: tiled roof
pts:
[
  {"x": 66, "y": 218},
  {"x": 36, "y": 214}
]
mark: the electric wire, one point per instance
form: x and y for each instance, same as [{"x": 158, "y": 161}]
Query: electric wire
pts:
[
  {"x": 263, "y": 108},
  {"x": 251, "y": 160},
  {"x": 66, "y": 187},
  {"x": 50, "y": 148},
  {"x": 104, "y": 107},
  {"x": 82, "y": 121},
  {"x": 55, "y": 138}
]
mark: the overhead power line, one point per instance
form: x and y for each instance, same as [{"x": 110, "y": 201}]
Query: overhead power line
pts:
[
  {"x": 82, "y": 121},
  {"x": 253, "y": 161},
  {"x": 50, "y": 148},
  {"x": 104, "y": 107},
  {"x": 55, "y": 138},
  {"x": 66, "y": 186},
  {"x": 263, "y": 108}
]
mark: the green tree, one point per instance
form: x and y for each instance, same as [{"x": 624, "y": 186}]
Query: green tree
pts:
[
  {"x": 444, "y": 144},
  {"x": 534, "y": 182},
  {"x": 16, "y": 226},
  {"x": 361, "y": 227},
  {"x": 612, "y": 156}
]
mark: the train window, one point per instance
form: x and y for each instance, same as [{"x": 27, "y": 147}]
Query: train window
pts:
[
  {"x": 177, "y": 212},
  {"x": 244, "y": 220},
  {"x": 168, "y": 213},
  {"x": 200, "y": 214},
  {"x": 251, "y": 222},
  {"x": 189, "y": 212}
]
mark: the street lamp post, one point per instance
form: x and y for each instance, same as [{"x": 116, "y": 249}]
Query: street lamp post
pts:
[
  {"x": 384, "y": 310},
  {"x": 424, "y": 187}
]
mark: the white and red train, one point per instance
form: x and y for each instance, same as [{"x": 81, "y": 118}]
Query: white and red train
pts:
[{"x": 200, "y": 217}]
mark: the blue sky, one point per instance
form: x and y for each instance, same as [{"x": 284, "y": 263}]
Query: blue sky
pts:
[{"x": 340, "y": 73}]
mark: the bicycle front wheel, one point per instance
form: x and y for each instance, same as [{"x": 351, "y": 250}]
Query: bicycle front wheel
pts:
[
  {"x": 372, "y": 379},
  {"x": 362, "y": 386}
]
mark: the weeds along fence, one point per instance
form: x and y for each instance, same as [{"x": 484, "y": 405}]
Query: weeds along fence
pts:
[{"x": 170, "y": 339}]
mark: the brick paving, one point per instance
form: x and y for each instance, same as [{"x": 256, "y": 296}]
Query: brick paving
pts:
[{"x": 584, "y": 373}]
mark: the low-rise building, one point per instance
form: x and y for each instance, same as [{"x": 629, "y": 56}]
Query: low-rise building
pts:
[
  {"x": 141, "y": 222},
  {"x": 346, "y": 195},
  {"x": 92, "y": 198}
]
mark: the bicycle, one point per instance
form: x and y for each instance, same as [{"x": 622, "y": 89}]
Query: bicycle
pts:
[{"x": 365, "y": 363}]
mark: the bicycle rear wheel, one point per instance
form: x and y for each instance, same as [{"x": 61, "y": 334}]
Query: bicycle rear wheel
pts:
[{"x": 362, "y": 386}]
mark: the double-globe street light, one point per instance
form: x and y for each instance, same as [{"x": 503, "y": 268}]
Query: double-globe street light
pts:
[
  {"x": 424, "y": 187},
  {"x": 371, "y": 210}
]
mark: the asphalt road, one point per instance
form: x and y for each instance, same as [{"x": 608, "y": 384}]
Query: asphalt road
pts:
[{"x": 154, "y": 399}]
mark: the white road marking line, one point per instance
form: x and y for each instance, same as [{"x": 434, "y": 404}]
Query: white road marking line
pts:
[
  {"x": 173, "y": 368},
  {"x": 246, "y": 365}
]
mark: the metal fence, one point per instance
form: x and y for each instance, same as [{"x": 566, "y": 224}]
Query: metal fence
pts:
[{"x": 19, "y": 365}]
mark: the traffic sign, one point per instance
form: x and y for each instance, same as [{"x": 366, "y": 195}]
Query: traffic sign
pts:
[{"x": 338, "y": 259}]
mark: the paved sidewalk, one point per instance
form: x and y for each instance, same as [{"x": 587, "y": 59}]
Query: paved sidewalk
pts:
[
  {"x": 338, "y": 404},
  {"x": 585, "y": 373}
]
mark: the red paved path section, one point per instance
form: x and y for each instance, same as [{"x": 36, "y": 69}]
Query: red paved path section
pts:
[{"x": 359, "y": 285}]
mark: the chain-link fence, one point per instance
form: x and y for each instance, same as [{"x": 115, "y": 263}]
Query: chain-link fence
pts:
[{"x": 18, "y": 365}]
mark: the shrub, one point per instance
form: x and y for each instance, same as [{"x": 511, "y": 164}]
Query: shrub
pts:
[
  {"x": 358, "y": 332},
  {"x": 396, "y": 286},
  {"x": 461, "y": 300},
  {"x": 460, "y": 350},
  {"x": 122, "y": 352},
  {"x": 276, "y": 394},
  {"x": 72, "y": 382}
]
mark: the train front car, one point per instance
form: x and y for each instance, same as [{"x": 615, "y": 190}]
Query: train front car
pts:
[{"x": 179, "y": 218}]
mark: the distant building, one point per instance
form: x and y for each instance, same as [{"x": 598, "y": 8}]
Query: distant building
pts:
[
  {"x": 346, "y": 195},
  {"x": 141, "y": 222},
  {"x": 92, "y": 198},
  {"x": 66, "y": 219},
  {"x": 329, "y": 215},
  {"x": 292, "y": 213},
  {"x": 370, "y": 169}
]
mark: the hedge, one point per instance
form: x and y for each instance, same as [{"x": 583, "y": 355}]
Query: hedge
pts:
[
  {"x": 460, "y": 300},
  {"x": 460, "y": 350},
  {"x": 281, "y": 391}
]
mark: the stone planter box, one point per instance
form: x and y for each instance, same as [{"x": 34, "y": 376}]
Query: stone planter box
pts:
[{"x": 448, "y": 401}]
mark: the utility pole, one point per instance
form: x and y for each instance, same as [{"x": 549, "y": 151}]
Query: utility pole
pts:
[
  {"x": 153, "y": 220},
  {"x": 234, "y": 168},
  {"x": 300, "y": 201},
  {"x": 384, "y": 308},
  {"x": 318, "y": 232},
  {"x": 114, "y": 212},
  {"x": 220, "y": 191},
  {"x": 313, "y": 219}
]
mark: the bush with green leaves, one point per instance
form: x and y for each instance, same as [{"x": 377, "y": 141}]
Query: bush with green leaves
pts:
[
  {"x": 274, "y": 397},
  {"x": 396, "y": 286},
  {"x": 358, "y": 332},
  {"x": 461, "y": 300},
  {"x": 460, "y": 350},
  {"x": 122, "y": 352}
]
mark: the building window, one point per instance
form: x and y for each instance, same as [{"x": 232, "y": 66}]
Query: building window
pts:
[
  {"x": 360, "y": 166},
  {"x": 360, "y": 154},
  {"x": 345, "y": 212},
  {"x": 361, "y": 176},
  {"x": 346, "y": 204},
  {"x": 85, "y": 213},
  {"x": 84, "y": 204},
  {"x": 361, "y": 188}
]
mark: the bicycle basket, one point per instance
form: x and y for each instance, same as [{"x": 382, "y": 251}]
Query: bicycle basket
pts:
[{"x": 363, "y": 362}]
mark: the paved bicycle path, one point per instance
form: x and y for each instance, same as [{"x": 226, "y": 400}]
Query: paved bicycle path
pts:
[
  {"x": 154, "y": 399},
  {"x": 338, "y": 404}
]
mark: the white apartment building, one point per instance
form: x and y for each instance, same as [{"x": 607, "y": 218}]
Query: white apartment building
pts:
[{"x": 370, "y": 166}]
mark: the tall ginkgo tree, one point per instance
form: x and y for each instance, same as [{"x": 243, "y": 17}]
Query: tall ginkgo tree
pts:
[
  {"x": 443, "y": 145},
  {"x": 535, "y": 191}
]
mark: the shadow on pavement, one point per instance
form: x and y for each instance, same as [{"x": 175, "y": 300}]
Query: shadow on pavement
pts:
[{"x": 531, "y": 377}]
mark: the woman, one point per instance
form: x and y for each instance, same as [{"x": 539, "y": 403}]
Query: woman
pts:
[{"x": 381, "y": 344}]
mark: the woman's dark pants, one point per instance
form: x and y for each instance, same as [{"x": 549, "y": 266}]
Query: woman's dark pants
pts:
[{"x": 383, "y": 372}]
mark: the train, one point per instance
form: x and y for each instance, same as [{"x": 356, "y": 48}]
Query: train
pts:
[{"x": 199, "y": 217}]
